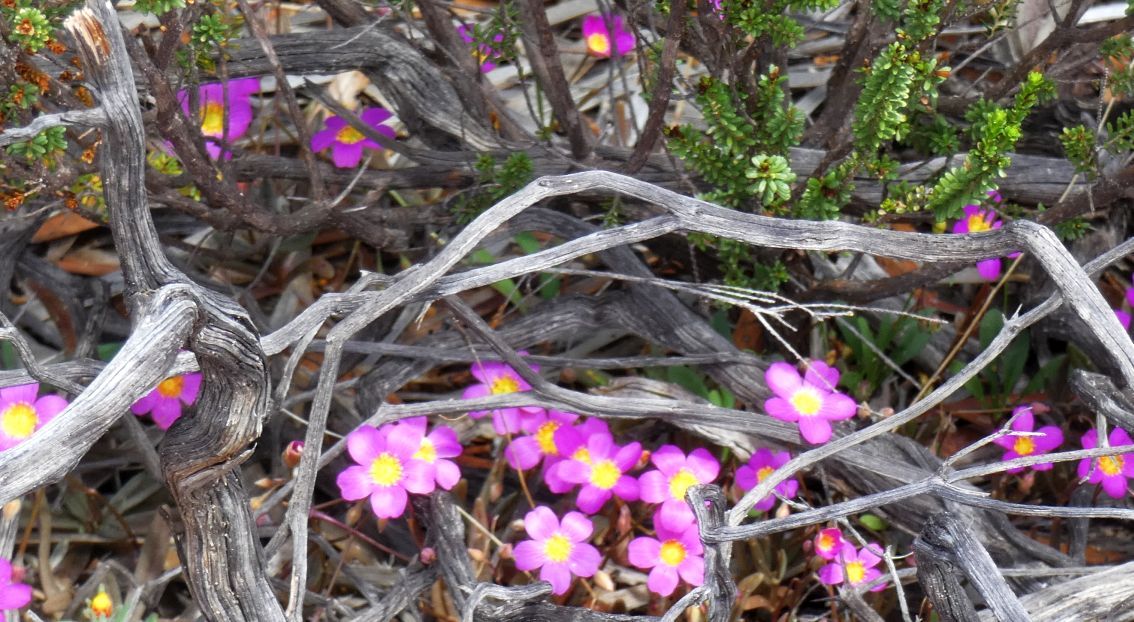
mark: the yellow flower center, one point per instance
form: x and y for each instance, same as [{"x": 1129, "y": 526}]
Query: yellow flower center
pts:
[
  {"x": 557, "y": 548},
  {"x": 480, "y": 56},
  {"x": 19, "y": 420},
  {"x": 672, "y": 553},
  {"x": 348, "y": 135},
  {"x": 978, "y": 223},
  {"x": 856, "y": 572},
  {"x": 102, "y": 605},
  {"x": 599, "y": 44},
  {"x": 1111, "y": 465},
  {"x": 806, "y": 401},
  {"x": 386, "y": 470},
  {"x": 212, "y": 119},
  {"x": 426, "y": 451},
  {"x": 763, "y": 473},
  {"x": 826, "y": 542},
  {"x": 545, "y": 436},
  {"x": 582, "y": 455},
  {"x": 605, "y": 474},
  {"x": 1024, "y": 446},
  {"x": 503, "y": 385},
  {"x": 681, "y": 482},
  {"x": 171, "y": 387}
]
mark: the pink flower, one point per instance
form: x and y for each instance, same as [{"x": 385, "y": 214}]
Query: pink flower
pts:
[
  {"x": 854, "y": 567},
  {"x": 526, "y": 452},
  {"x": 164, "y": 402},
  {"x": 671, "y": 555},
  {"x": 597, "y": 36},
  {"x": 559, "y": 550},
  {"x": 811, "y": 401},
  {"x": 601, "y": 466},
  {"x": 829, "y": 543},
  {"x": 1110, "y": 471},
  {"x": 1050, "y": 437},
  {"x": 497, "y": 378},
  {"x": 220, "y": 119},
  {"x": 667, "y": 485},
  {"x": 346, "y": 143},
  {"x": 570, "y": 442},
  {"x": 433, "y": 449},
  {"x": 762, "y": 464},
  {"x": 21, "y": 414},
  {"x": 386, "y": 470},
  {"x": 978, "y": 220},
  {"x": 484, "y": 53},
  {"x": 12, "y": 595}
]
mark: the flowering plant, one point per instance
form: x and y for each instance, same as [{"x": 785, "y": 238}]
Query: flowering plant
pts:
[
  {"x": 486, "y": 55},
  {"x": 600, "y": 40},
  {"x": 347, "y": 143},
  {"x": 498, "y": 378},
  {"x": 164, "y": 402},
  {"x": 1045, "y": 440},
  {"x": 671, "y": 556},
  {"x": 558, "y": 549},
  {"x": 854, "y": 566},
  {"x": 387, "y": 470},
  {"x": 225, "y": 111},
  {"x": 600, "y": 467},
  {"x": 762, "y": 464},
  {"x": 13, "y": 595},
  {"x": 1109, "y": 471},
  {"x": 22, "y": 412},
  {"x": 675, "y": 473},
  {"x": 810, "y": 400}
]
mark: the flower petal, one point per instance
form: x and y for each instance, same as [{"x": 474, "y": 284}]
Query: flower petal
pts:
[
  {"x": 365, "y": 443},
  {"x": 592, "y": 498},
  {"x": 692, "y": 570},
  {"x": 837, "y": 407},
  {"x": 14, "y": 596},
  {"x": 541, "y": 523},
  {"x": 668, "y": 458},
  {"x": 576, "y": 527},
  {"x": 644, "y": 552},
  {"x": 523, "y": 453},
  {"x": 190, "y": 387},
  {"x": 703, "y": 465},
  {"x": 584, "y": 560},
  {"x": 388, "y": 501},
  {"x": 821, "y": 375},
  {"x": 448, "y": 473},
  {"x": 662, "y": 580},
  {"x": 354, "y": 483},
  {"x": 528, "y": 555},
  {"x": 989, "y": 269},
  {"x": 782, "y": 379},
  {"x": 781, "y": 409},
  {"x": 48, "y": 406},
  {"x": 653, "y": 486},
  {"x": 558, "y": 575},
  {"x": 815, "y": 430},
  {"x": 166, "y": 411},
  {"x": 419, "y": 477},
  {"x": 346, "y": 156}
]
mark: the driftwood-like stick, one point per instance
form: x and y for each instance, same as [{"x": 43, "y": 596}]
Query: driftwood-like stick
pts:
[{"x": 945, "y": 543}]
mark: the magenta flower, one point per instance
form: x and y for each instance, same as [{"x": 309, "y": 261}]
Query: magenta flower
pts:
[
  {"x": 386, "y": 470},
  {"x": 1049, "y": 438},
  {"x": 220, "y": 119},
  {"x": 811, "y": 401},
  {"x": 598, "y": 36},
  {"x": 570, "y": 442},
  {"x": 1110, "y": 471},
  {"x": 164, "y": 402},
  {"x": 21, "y": 413},
  {"x": 670, "y": 556},
  {"x": 675, "y": 473},
  {"x": 433, "y": 449},
  {"x": 762, "y": 464},
  {"x": 829, "y": 543},
  {"x": 346, "y": 143},
  {"x": 854, "y": 567},
  {"x": 497, "y": 378},
  {"x": 486, "y": 55},
  {"x": 12, "y": 595},
  {"x": 526, "y": 452},
  {"x": 559, "y": 550},
  {"x": 601, "y": 466}
]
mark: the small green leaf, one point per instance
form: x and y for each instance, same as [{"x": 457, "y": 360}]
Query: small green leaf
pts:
[{"x": 872, "y": 522}]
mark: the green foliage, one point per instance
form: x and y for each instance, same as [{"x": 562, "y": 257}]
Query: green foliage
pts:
[
  {"x": 921, "y": 19},
  {"x": 740, "y": 269},
  {"x": 42, "y": 146},
  {"x": 772, "y": 19},
  {"x": 773, "y": 178},
  {"x": 215, "y": 29},
  {"x": 733, "y": 135},
  {"x": 20, "y": 96},
  {"x": 900, "y": 338},
  {"x": 825, "y": 196},
  {"x": 29, "y": 28},
  {"x": 158, "y": 7},
  {"x": 494, "y": 183},
  {"x": 1120, "y": 133},
  {"x": 998, "y": 381},
  {"x": 1079, "y": 145},
  {"x": 897, "y": 79},
  {"x": 994, "y": 132},
  {"x": 933, "y": 135},
  {"x": 1072, "y": 229}
]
